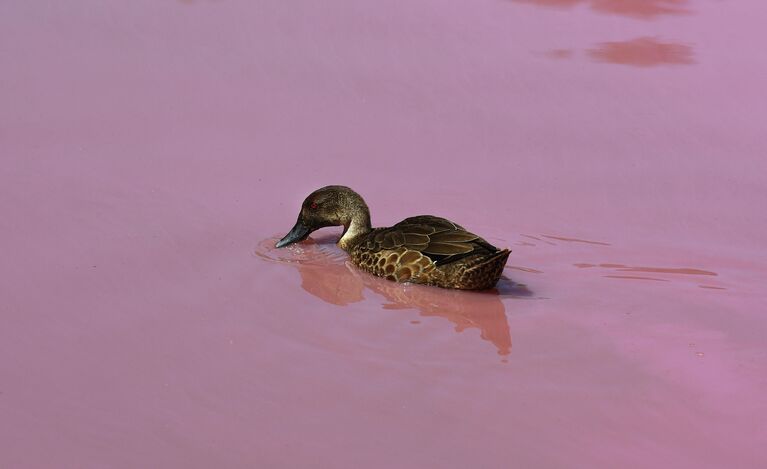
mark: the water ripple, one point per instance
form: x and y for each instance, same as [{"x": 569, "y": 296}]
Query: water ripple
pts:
[{"x": 309, "y": 252}]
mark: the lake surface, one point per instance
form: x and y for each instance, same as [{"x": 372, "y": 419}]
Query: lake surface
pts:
[{"x": 152, "y": 153}]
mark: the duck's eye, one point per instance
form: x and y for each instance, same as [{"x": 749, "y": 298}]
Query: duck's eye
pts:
[{"x": 313, "y": 205}]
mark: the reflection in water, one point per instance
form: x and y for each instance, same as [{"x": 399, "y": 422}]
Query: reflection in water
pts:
[
  {"x": 641, "y": 8},
  {"x": 344, "y": 284},
  {"x": 537, "y": 239},
  {"x": 524, "y": 269},
  {"x": 644, "y": 9},
  {"x": 643, "y": 52},
  {"x": 576, "y": 240},
  {"x": 657, "y": 270},
  {"x": 663, "y": 270},
  {"x": 635, "y": 277},
  {"x": 325, "y": 275}
]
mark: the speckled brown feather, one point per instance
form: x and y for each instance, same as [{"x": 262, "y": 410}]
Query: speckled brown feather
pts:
[{"x": 432, "y": 251}]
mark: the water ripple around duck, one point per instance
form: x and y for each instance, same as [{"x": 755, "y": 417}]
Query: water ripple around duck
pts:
[{"x": 309, "y": 252}]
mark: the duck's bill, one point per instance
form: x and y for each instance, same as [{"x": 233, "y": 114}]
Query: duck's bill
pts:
[{"x": 299, "y": 233}]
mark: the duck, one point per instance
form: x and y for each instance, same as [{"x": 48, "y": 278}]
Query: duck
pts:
[{"x": 423, "y": 249}]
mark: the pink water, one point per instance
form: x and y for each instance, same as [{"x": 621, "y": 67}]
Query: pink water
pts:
[{"x": 152, "y": 152}]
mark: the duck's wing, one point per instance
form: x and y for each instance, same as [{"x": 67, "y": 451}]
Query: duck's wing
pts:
[{"x": 441, "y": 240}]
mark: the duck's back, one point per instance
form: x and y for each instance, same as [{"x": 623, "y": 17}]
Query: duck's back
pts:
[{"x": 430, "y": 250}]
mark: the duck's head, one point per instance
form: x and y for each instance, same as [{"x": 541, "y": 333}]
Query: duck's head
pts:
[{"x": 330, "y": 206}]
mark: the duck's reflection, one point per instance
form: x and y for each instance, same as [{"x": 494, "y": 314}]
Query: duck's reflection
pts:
[
  {"x": 344, "y": 284},
  {"x": 338, "y": 282}
]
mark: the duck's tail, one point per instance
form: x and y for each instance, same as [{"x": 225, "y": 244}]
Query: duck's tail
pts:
[{"x": 485, "y": 273}]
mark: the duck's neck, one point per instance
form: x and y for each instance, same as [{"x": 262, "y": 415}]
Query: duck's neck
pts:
[{"x": 358, "y": 225}]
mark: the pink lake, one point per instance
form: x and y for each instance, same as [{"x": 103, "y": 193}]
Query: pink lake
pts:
[{"x": 152, "y": 151}]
